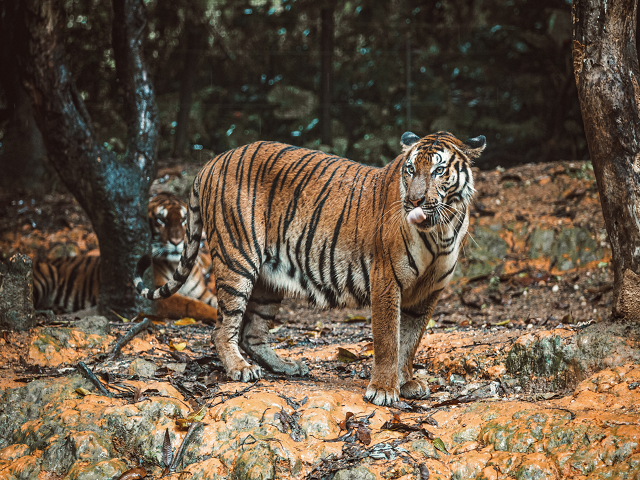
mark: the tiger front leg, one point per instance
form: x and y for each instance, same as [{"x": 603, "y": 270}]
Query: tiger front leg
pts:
[
  {"x": 384, "y": 387},
  {"x": 412, "y": 326},
  {"x": 226, "y": 336}
]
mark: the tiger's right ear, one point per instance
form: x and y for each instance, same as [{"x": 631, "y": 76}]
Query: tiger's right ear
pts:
[{"x": 408, "y": 140}]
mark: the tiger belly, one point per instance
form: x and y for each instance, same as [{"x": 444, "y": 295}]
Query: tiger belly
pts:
[{"x": 343, "y": 284}]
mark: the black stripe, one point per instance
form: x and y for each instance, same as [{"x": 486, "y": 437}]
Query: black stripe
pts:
[
  {"x": 410, "y": 259},
  {"x": 447, "y": 273}
]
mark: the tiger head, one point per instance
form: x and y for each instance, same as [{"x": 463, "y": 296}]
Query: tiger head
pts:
[
  {"x": 437, "y": 183},
  {"x": 168, "y": 221}
]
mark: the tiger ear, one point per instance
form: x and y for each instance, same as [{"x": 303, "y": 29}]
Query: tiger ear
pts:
[
  {"x": 475, "y": 146},
  {"x": 408, "y": 140}
]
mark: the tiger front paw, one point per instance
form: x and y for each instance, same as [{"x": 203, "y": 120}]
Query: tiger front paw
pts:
[
  {"x": 415, "y": 389},
  {"x": 381, "y": 396},
  {"x": 245, "y": 374}
]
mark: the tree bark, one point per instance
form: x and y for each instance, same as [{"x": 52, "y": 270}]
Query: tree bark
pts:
[
  {"x": 112, "y": 189},
  {"x": 22, "y": 160},
  {"x": 326, "y": 72},
  {"x": 606, "y": 71}
]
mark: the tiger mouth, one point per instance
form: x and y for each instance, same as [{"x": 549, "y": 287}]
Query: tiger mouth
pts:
[{"x": 432, "y": 216}]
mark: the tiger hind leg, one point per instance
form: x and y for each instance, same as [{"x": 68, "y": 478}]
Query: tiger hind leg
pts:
[
  {"x": 261, "y": 311},
  {"x": 233, "y": 303}
]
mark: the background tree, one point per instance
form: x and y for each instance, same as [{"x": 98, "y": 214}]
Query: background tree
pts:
[
  {"x": 607, "y": 75},
  {"x": 112, "y": 188},
  {"x": 497, "y": 67}
]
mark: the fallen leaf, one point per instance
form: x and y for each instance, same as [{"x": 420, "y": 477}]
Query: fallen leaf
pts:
[
  {"x": 199, "y": 415},
  {"x": 167, "y": 449},
  {"x": 275, "y": 329},
  {"x": 364, "y": 434},
  {"x": 355, "y": 318},
  {"x": 346, "y": 356},
  {"x": 83, "y": 391},
  {"x": 137, "y": 396},
  {"x": 185, "y": 321},
  {"x": 366, "y": 350},
  {"x": 183, "y": 422},
  {"x": 133, "y": 474},
  {"x": 439, "y": 444},
  {"x": 504, "y": 322},
  {"x": 424, "y": 472},
  {"x": 431, "y": 324},
  {"x": 178, "y": 346}
]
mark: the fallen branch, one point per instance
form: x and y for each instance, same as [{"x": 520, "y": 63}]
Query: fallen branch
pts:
[
  {"x": 188, "y": 438},
  {"x": 135, "y": 330},
  {"x": 89, "y": 375}
]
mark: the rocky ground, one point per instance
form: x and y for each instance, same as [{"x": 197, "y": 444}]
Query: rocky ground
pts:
[{"x": 528, "y": 379}]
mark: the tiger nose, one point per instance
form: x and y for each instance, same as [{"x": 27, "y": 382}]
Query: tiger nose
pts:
[
  {"x": 419, "y": 202},
  {"x": 176, "y": 240}
]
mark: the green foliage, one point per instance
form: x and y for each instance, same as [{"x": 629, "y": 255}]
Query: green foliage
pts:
[{"x": 501, "y": 68}]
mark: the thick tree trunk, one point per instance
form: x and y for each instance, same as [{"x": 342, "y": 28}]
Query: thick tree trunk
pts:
[
  {"x": 112, "y": 189},
  {"x": 22, "y": 160},
  {"x": 326, "y": 72},
  {"x": 607, "y": 76}
]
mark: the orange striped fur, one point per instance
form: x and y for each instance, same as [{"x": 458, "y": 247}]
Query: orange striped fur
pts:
[{"x": 282, "y": 220}]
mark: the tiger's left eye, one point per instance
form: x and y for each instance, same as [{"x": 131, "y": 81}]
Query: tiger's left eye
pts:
[
  {"x": 411, "y": 170},
  {"x": 439, "y": 171}
]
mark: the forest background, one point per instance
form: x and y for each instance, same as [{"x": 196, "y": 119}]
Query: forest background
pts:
[{"x": 230, "y": 72}]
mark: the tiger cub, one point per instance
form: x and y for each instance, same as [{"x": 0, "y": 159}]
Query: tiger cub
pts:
[
  {"x": 69, "y": 284},
  {"x": 283, "y": 220}
]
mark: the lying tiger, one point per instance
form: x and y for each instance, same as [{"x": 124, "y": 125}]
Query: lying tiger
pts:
[
  {"x": 69, "y": 284},
  {"x": 285, "y": 220}
]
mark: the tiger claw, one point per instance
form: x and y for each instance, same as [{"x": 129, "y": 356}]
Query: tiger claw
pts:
[
  {"x": 246, "y": 374},
  {"x": 381, "y": 396}
]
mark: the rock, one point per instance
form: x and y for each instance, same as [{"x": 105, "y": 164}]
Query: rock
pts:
[
  {"x": 574, "y": 246},
  {"x": 176, "y": 367},
  {"x": 16, "y": 294},
  {"x": 105, "y": 470},
  {"x": 358, "y": 473},
  {"x": 541, "y": 243},
  {"x": 561, "y": 359},
  {"x": 143, "y": 368},
  {"x": 456, "y": 380},
  {"x": 488, "y": 251},
  {"x": 97, "y": 325},
  {"x": 52, "y": 346},
  {"x": 255, "y": 464}
]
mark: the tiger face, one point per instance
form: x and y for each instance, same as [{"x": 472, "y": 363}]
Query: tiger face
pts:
[
  {"x": 168, "y": 221},
  {"x": 437, "y": 184}
]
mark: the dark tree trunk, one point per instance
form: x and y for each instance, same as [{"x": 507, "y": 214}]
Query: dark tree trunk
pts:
[
  {"x": 112, "y": 189},
  {"x": 607, "y": 76},
  {"x": 23, "y": 151},
  {"x": 326, "y": 72},
  {"x": 191, "y": 45}
]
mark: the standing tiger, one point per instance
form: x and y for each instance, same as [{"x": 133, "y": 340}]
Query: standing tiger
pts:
[
  {"x": 69, "y": 284},
  {"x": 286, "y": 220}
]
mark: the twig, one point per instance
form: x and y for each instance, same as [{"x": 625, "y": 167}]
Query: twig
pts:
[
  {"x": 89, "y": 375},
  {"x": 135, "y": 330},
  {"x": 188, "y": 438}
]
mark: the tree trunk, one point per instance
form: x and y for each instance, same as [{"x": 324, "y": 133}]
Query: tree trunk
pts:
[
  {"x": 22, "y": 160},
  {"x": 191, "y": 44},
  {"x": 112, "y": 189},
  {"x": 326, "y": 72},
  {"x": 606, "y": 71}
]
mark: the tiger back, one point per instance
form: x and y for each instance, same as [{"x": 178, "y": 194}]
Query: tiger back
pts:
[
  {"x": 282, "y": 220},
  {"x": 69, "y": 284}
]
